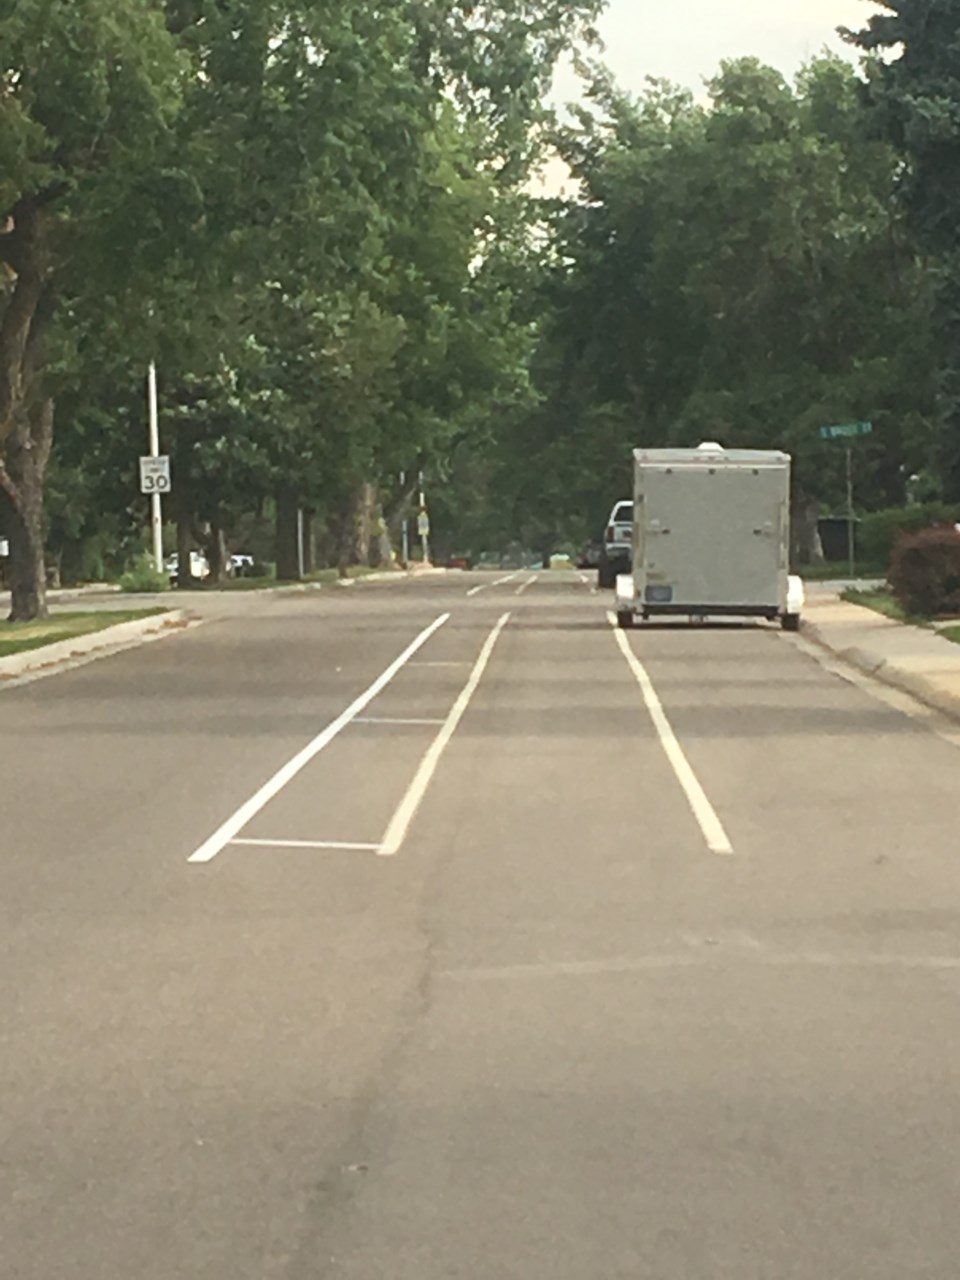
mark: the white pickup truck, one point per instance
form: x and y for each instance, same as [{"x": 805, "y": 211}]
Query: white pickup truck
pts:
[
  {"x": 617, "y": 550},
  {"x": 711, "y": 537}
]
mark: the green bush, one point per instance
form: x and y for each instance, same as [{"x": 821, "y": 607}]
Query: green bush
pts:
[
  {"x": 878, "y": 532},
  {"x": 143, "y": 577},
  {"x": 925, "y": 572}
]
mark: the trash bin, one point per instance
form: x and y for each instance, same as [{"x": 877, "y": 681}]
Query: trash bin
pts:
[{"x": 833, "y": 538}]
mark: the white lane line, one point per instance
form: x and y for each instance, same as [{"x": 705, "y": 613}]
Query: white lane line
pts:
[
  {"x": 396, "y": 832},
  {"x": 306, "y": 844},
  {"x": 272, "y": 788},
  {"x": 704, "y": 959},
  {"x": 500, "y": 582},
  {"x": 523, "y": 585},
  {"x": 584, "y": 579},
  {"x": 439, "y": 664},
  {"x": 704, "y": 812},
  {"x": 393, "y": 720}
]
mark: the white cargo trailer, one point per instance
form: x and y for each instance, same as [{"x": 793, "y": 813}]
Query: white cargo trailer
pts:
[{"x": 711, "y": 537}]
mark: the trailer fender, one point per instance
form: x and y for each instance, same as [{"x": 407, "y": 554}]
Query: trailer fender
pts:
[{"x": 796, "y": 596}]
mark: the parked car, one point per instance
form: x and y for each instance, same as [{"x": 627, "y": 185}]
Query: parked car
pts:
[
  {"x": 242, "y": 565},
  {"x": 199, "y": 568},
  {"x": 616, "y": 554}
]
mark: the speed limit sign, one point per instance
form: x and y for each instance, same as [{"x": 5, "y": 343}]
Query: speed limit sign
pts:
[{"x": 155, "y": 475}]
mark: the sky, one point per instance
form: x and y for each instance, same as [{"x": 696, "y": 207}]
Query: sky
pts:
[{"x": 686, "y": 40}]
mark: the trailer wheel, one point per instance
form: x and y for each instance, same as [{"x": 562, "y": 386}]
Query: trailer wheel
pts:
[
  {"x": 790, "y": 621},
  {"x": 606, "y": 577},
  {"x": 625, "y": 619}
]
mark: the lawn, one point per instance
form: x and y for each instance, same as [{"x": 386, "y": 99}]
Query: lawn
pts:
[
  {"x": 881, "y": 602},
  {"x": 839, "y": 571},
  {"x": 19, "y": 637}
]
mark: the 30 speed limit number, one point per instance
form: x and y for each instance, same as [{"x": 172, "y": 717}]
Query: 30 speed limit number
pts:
[{"x": 155, "y": 475}]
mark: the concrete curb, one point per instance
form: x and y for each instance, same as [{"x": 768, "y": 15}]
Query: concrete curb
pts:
[
  {"x": 52, "y": 658},
  {"x": 924, "y": 688},
  {"x": 397, "y": 575}
]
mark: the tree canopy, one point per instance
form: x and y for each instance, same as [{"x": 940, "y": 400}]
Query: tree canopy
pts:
[{"x": 322, "y": 222}]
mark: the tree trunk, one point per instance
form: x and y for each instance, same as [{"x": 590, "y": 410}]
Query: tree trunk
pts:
[
  {"x": 215, "y": 549},
  {"x": 288, "y": 538},
  {"x": 26, "y": 414},
  {"x": 24, "y": 474},
  {"x": 806, "y": 547},
  {"x": 326, "y": 542},
  {"x": 309, "y": 544},
  {"x": 357, "y": 527},
  {"x": 185, "y": 578}
]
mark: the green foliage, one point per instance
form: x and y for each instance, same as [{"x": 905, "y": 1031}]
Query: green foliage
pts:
[
  {"x": 879, "y": 601},
  {"x": 914, "y": 97},
  {"x": 734, "y": 271},
  {"x": 925, "y": 572},
  {"x": 143, "y": 577},
  {"x": 878, "y": 532}
]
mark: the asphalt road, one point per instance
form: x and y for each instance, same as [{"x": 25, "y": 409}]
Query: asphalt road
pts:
[{"x": 341, "y": 941}]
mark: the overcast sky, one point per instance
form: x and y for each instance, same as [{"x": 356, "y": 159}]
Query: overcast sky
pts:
[{"x": 685, "y": 40}]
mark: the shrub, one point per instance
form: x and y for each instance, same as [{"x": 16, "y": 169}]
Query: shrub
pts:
[
  {"x": 878, "y": 532},
  {"x": 144, "y": 577},
  {"x": 925, "y": 572}
]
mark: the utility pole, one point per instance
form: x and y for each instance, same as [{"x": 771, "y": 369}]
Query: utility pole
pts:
[
  {"x": 405, "y": 532},
  {"x": 851, "y": 518},
  {"x": 423, "y": 524},
  {"x": 156, "y": 510}
]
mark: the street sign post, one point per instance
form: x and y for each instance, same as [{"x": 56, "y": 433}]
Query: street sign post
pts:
[
  {"x": 154, "y": 470},
  {"x": 155, "y": 475},
  {"x": 849, "y": 431},
  {"x": 423, "y": 524},
  {"x": 423, "y": 531}
]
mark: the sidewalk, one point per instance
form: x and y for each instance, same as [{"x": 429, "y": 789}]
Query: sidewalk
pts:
[{"x": 912, "y": 659}]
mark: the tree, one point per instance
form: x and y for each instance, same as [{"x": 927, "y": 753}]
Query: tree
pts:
[
  {"x": 914, "y": 102},
  {"x": 307, "y": 201},
  {"x": 734, "y": 270},
  {"x": 87, "y": 97}
]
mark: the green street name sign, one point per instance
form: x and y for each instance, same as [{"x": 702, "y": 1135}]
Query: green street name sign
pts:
[{"x": 847, "y": 430}]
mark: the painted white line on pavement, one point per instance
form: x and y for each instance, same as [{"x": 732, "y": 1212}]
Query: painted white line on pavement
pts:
[
  {"x": 704, "y": 959},
  {"x": 584, "y": 579},
  {"x": 500, "y": 582},
  {"x": 439, "y": 664},
  {"x": 235, "y": 824},
  {"x": 704, "y": 812},
  {"x": 305, "y": 844},
  {"x": 523, "y": 585},
  {"x": 396, "y": 832},
  {"x": 393, "y": 720}
]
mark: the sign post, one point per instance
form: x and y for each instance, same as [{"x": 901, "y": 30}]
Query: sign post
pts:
[
  {"x": 423, "y": 525},
  {"x": 404, "y": 529},
  {"x": 423, "y": 529},
  {"x": 154, "y": 479},
  {"x": 847, "y": 432}
]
